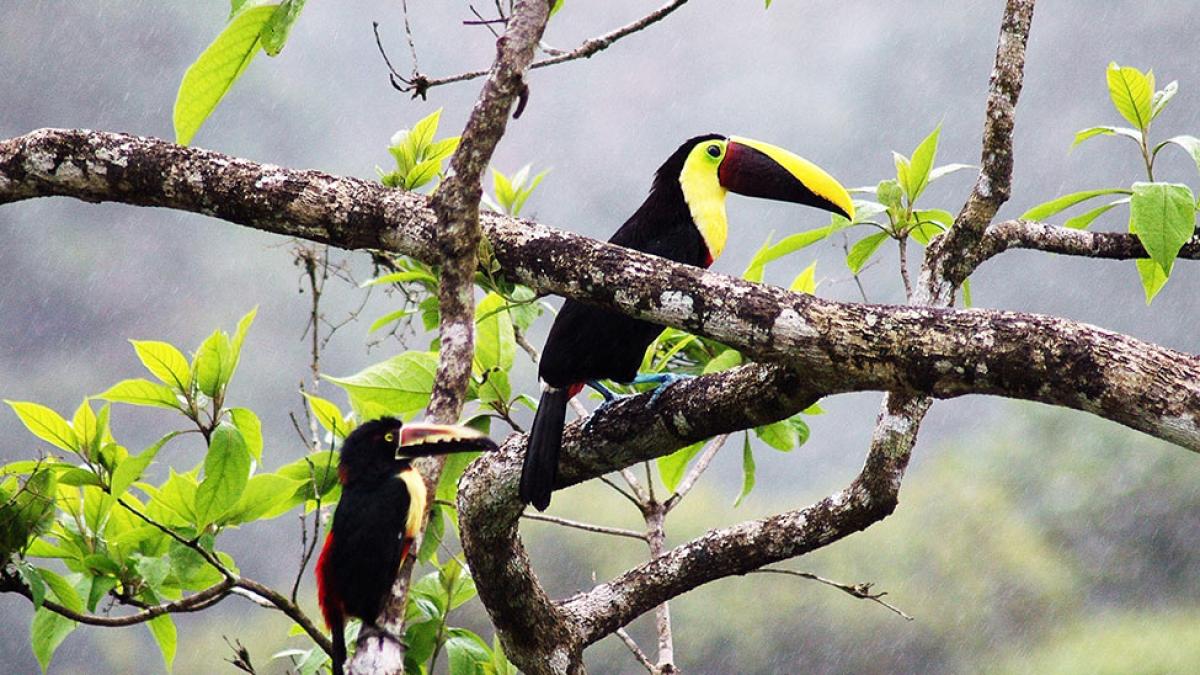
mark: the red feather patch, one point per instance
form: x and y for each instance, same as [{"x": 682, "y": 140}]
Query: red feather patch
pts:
[{"x": 331, "y": 603}]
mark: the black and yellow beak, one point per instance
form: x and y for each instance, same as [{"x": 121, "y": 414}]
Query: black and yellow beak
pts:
[
  {"x": 422, "y": 439},
  {"x": 758, "y": 169}
]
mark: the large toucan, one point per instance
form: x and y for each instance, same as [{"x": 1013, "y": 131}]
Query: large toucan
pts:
[
  {"x": 683, "y": 219},
  {"x": 379, "y": 514}
]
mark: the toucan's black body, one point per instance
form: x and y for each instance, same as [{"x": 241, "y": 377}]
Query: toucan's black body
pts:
[
  {"x": 588, "y": 343},
  {"x": 373, "y": 525}
]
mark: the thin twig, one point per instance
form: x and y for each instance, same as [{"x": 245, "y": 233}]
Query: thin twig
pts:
[
  {"x": 587, "y": 527},
  {"x": 636, "y": 486},
  {"x": 192, "y": 603},
  {"x": 420, "y": 84},
  {"x": 698, "y": 469},
  {"x": 612, "y": 484},
  {"x": 412, "y": 46},
  {"x": 908, "y": 292},
  {"x": 637, "y": 651},
  {"x": 860, "y": 591}
]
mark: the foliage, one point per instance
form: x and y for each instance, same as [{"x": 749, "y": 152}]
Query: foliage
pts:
[
  {"x": 1162, "y": 215},
  {"x": 418, "y": 155}
]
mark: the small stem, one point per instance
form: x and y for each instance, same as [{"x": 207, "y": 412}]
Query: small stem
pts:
[
  {"x": 698, "y": 469},
  {"x": 903, "y": 242},
  {"x": 587, "y": 527},
  {"x": 860, "y": 591},
  {"x": 656, "y": 536},
  {"x": 635, "y": 649}
]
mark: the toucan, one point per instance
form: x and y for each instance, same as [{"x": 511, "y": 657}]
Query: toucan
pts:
[
  {"x": 378, "y": 516},
  {"x": 683, "y": 220}
]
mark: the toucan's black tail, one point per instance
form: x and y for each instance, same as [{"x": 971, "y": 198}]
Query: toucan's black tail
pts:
[
  {"x": 540, "y": 470},
  {"x": 337, "y": 633}
]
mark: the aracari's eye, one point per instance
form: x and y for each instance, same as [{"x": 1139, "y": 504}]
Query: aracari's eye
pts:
[
  {"x": 390, "y": 437},
  {"x": 714, "y": 150}
]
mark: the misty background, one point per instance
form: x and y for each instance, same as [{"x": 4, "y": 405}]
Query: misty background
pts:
[{"x": 1027, "y": 539}]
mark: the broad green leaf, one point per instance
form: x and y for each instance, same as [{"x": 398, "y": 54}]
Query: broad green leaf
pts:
[
  {"x": 266, "y": 496},
  {"x": 33, "y": 580},
  {"x": 328, "y": 415},
  {"x": 929, "y": 224},
  {"x": 87, "y": 429},
  {"x": 131, "y": 468},
  {"x": 723, "y": 361},
  {"x": 398, "y": 386},
  {"x": 524, "y": 193},
  {"x": 806, "y": 281},
  {"x": 1152, "y": 276},
  {"x": 208, "y": 79},
  {"x": 1190, "y": 145},
  {"x": 1091, "y": 132},
  {"x": 316, "y": 472},
  {"x": 431, "y": 537},
  {"x": 401, "y": 278},
  {"x": 421, "y": 174},
  {"x": 101, "y": 586},
  {"x": 1047, "y": 209},
  {"x": 672, "y": 467},
  {"x": 1131, "y": 92},
  {"x": 495, "y": 341},
  {"x": 239, "y": 334},
  {"x": 1083, "y": 220},
  {"x": 162, "y": 628},
  {"x": 424, "y": 130},
  {"x": 771, "y": 252},
  {"x": 1162, "y": 98},
  {"x": 226, "y": 472},
  {"x": 248, "y": 423},
  {"x": 213, "y": 363},
  {"x": 388, "y": 319},
  {"x": 63, "y": 591},
  {"x": 176, "y": 497},
  {"x": 782, "y": 435},
  {"x": 889, "y": 193},
  {"x": 922, "y": 164},
  {"x": 46, "y": 424},
  {"x": 903, "y": 167},
  {"x": 275, "y": 32},
  {"x": 442, "y": 148},
  {"x": 503, "y": 189},
  {"x": 1163, "y": 216},
  {"x": 467, "y": 652},
  {"x": 142, "y": 392},
  {"x": 947, "y": 169},
  {"x": 46, "y": 633},
  {"x": 862, "y": 251},
  {"x": 165, "y": 362},
  {"x": 748, "y": 470}
]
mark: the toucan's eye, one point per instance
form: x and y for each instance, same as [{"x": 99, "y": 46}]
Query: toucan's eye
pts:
[
  {"x": 390, "y": 437},
  {"x": 714, "y": 150}
]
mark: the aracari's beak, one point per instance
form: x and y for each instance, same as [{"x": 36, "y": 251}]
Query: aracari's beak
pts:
[
  {"x": 422, "y": 439},
  {"x": 758, "y": 169}
]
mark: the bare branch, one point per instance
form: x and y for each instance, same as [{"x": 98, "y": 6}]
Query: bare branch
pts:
[
  {"x": 860, "y": 591},
  {"x": 689, "y": 481},
  {"x": 589, "y": 48},
  {"x": 192, "y": 603},
  {"x": 1037, "y": 236},
  {"x": 635, "y": 649},
  {"x": 587, "y": 527}
]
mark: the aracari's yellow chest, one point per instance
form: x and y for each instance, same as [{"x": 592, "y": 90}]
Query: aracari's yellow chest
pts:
[{"x": 417, "y": 498}]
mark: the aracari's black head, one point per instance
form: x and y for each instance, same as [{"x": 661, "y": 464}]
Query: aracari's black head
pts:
[{"x": 380, "y": 448}]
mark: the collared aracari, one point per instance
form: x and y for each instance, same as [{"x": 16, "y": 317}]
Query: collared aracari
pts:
[
  {"x": 378, "y": 516},
  {"x": 683, "y": 220}
]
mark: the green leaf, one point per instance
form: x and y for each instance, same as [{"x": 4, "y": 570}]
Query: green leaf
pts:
[
  {"x": 862, "y": 251},
  {"x": 226, "y": 472},
  {"x": 87, "y": 429},
  {"x": 947, "y": 169},
  {"x": 33, "y": 580},
  {"x": 452, "y": 470},
  {"x": 1091, "y": 132},
  {"x": 672, "y": 467},
  {"x": 1163, "y": 216},
  {"x": 423, "y": 132},
  {"x": 248, "y": 423},
  {"x": 400, "y": 278},
  {"x": 398, "y": 386},
  {"x": 328, "y": 415},
  {"x": 771, "y": 252},
  {"x": 1047, "y": 209},
  {"x": 747, "y": 471},
  {"x": 467, "y": 652},
  {"x": 1190, "y": 145},
  {"x": 922, "y": 164},
  {"x": 1152, "y": 276},
  {"x": 966, "y": 289},
  {"x": 889, "y": 193},
  {"x": 1162, "y": 98},
  {"x": 442, "y": 148},
  {"x": 165, "y": 362},
  {"x": 46, "y": 633},
  {"x": 143, "y": 393},
  {"x": 162, "y": 628},
  {"x": 422, "y": 174},
  {"x": 903, "y": 168},
  {"x": 239, "y": 335},
  {"x": 1131, "y": 92},
  {"x": 782, "y": 435},
  {"x": 64, "y": 592},
  {"x": 316, "y": 473},
  {"x": 723, "y": 361},
  {"x": 275, "y": 33},
  {"x": 503, "y": 189},
  {"x": 930, "y": 223},
  {"x": 431, "y": 538},
  {"x": 388, "y": 319},
  {"x": 806, "y": 281},
  {"x": 495, "y": 341},
  {"x": 208, "y": 79},
  {"x": 46, "y": 424},
  {"x": 177, "y": 496},
  {"x": 1083, "y": 220},
  {"x": 131, "y": 468},
  {"x": 266, "y": 496},
  {"x": 213, "y": 363}
]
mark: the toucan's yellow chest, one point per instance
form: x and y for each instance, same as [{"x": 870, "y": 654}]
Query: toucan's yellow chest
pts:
[
  {"x": 417, "y": 497},
  {"x": 705, "y": 199}
]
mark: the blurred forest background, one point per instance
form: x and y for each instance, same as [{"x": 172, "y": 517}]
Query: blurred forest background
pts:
[{"x": 1027, "y": 539}]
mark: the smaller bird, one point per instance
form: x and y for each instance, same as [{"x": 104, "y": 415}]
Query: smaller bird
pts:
[{"x": 379, "y": 514}]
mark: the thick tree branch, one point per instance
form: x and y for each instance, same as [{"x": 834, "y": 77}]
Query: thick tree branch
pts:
[{"x": 1036, "y": 236}]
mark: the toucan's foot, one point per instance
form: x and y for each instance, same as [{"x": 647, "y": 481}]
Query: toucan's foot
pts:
[
  {"x": 608, "y": 401},
  {"x": 663, "y": 380},
  {"x": 604, "y": 391}
]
